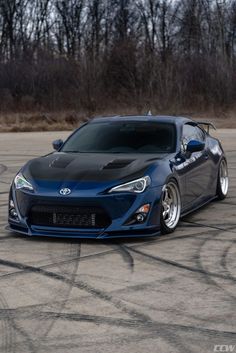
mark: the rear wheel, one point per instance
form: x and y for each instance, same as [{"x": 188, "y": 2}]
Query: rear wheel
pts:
[
  {"x": 171, "y": 207},
  {"x": 223, "y": 181}
]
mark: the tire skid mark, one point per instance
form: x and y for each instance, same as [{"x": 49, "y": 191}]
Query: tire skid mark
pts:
[
  {"x": 129, "y": 323},
  {"x": 193, "y": 235},
  {"x": 74, "y": 253},
  {"x": 66, "y": 295},
  {"x": 4, "y": 182},
  {"x": 62, "y": 303},
  {"x": 6, "y": 331},
  {"x": 211, "y": 280},
  {"x": 107, "y": 252},
  {"x": 209, "y": 276},
  {"x": 224, "y": 240},
  {"x": 127, "y": 289},
  {"x": 67, "y": 344},
  {"x": 3, "y": 169},
  {"x": 197, "y": 224},
  {"x": 120, "y": 305},
  {"x": 14, "y": 328},
  {"x": 103, "y": 253},
  {"x": 224, "y": 259},
  {"x": 167, "y": 238},
  {"x": 21, "y": 271},
  {"x": 180, "y": 266},
  {"x": 208, "y": 279},
  {"x": 125, "y": 254},
  {"x": 84, "y": 258}
]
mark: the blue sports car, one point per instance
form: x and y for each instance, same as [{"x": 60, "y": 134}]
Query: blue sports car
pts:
[{"x": 119, "y": 177}]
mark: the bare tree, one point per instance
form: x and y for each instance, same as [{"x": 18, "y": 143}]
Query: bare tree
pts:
[
  {"x": 82, "y": 54},
  {"x": 70, "y": 14}
]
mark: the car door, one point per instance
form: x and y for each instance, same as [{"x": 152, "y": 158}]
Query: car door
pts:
[{"x": 196, "y": 167}]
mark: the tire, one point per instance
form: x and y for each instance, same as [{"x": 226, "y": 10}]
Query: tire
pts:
[
  {"x": 222, "y": 181},
  {"x": 170, "y": 208}
]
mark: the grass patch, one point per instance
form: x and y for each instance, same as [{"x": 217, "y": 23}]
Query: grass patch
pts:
[
  {"x": 40, "y": 122},
  {"x": 67, "y": 121}
]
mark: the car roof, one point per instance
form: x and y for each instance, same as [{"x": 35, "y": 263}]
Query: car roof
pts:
[{"x": 177, "y": 120}]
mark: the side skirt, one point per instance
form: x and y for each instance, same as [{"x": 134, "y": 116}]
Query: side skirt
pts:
[{"x": 197, "y": 207}]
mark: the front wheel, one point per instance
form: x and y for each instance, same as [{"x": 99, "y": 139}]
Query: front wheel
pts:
[
  {"x": 171, "y": 207},
  {"x": 222, "y": 181}
]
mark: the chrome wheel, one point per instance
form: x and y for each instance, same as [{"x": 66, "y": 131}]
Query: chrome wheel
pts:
[
  {"x": 171, "y": 205},
  {"x": 224, "y": 178}
]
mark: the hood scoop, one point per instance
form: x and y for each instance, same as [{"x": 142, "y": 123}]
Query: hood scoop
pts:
[
  {"x": 61, "y": 162},
  {"x": 118, "y": 163}
]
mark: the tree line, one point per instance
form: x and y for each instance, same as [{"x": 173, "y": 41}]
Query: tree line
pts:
[{"x": 94, "y": 55}]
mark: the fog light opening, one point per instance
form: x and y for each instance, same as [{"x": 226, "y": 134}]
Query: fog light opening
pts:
[
  {"x": 140, "y": 216},
  {"x": 12, "y": 211}
]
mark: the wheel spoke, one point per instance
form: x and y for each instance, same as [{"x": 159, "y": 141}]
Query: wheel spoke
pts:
[
  {"x": 165, "y": 213},
  {"x": 171, "y": 205},
  {"x": 170, "y": 201},
  {"x": 165, "y": 196}
]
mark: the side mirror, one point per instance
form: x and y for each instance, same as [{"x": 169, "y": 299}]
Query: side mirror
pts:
[
  {"x": 195, "y": 146},
  {"x": 57, "y": 144}
]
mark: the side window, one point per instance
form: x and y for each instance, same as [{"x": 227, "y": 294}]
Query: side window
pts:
[{"x": 191, "y": 132}]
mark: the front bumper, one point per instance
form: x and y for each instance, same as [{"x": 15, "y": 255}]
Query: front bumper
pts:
[{"x": 120, "y": 208}]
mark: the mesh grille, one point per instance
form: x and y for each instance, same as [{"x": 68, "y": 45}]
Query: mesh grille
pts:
[{"x": 69, "y": 217}]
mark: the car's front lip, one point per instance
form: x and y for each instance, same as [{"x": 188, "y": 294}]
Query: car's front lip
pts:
[
  {"x": 81, "y": 233},
  {"x": 120, "y": 207}
]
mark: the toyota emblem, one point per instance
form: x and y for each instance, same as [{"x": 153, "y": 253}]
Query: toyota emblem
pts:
[{"x": 65, "y": 191}]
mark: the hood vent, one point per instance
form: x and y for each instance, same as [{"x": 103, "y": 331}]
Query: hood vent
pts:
[
  {"x": 118, "y": 163},
  {"x": 61, "y": 162}
]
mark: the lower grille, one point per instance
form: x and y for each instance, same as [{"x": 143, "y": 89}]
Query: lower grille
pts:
[{"x": 69, "y": 217}]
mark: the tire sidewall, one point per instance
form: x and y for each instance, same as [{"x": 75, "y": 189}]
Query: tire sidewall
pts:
[
  {"x": 220, "y": 195},
  {"x": 164, "y": 228}
]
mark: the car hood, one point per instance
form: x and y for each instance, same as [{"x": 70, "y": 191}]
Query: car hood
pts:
[{"x": 83, "y": 167}]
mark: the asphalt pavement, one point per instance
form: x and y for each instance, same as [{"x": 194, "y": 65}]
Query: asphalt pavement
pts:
[{"x": 174, "y": 293}]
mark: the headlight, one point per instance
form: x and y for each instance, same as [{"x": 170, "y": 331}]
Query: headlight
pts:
[
  {"x": 21, "y": 183},
  {"x": 137, "y": 186}
]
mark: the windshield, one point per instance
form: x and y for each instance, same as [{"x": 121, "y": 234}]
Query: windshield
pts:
[{"x": 123, "y": 137}]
